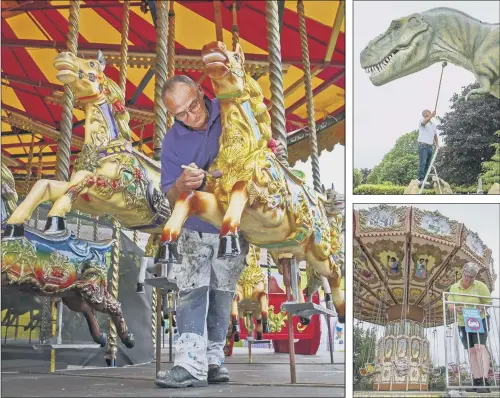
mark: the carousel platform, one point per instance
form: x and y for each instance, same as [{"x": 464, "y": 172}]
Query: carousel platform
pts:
[{"x": 267, "y": 376}]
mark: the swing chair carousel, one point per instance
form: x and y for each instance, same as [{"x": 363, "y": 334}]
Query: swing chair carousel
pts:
[{"x": 404, "y": 259}]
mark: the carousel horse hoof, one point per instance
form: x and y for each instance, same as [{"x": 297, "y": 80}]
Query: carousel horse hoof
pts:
[
  {"x": 13, "y": 231},
  {"x": 259, "y": 335},
  {"x": 341, "y": 319},
  {"x": 236, "y": 337},
  {"x": 102, "y": 340},
  {"x": 265, "y": 327},
  {"x": 140, "y": 288},
  {"x": 55, "y": 224},
  {"x": 130, "y": 341},
  {"x": 236, "y": 328},
  {"x": 305, "y": 321},
  {"x": 229, "y": 246}
]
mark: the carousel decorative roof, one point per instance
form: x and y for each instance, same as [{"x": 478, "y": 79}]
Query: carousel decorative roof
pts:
[
  {"x": 34, "y": 32},
  {"x": 404, "y": 256}
]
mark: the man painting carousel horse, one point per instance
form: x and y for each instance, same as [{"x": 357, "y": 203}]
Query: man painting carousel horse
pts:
[{"x": 222, "y": 178}]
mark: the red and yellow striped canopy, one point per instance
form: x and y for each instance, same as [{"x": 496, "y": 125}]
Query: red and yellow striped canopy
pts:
[{"x": 34, "y": 31}]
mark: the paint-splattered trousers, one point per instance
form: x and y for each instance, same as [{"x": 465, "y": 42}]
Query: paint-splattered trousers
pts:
[{"x": 206, "y": 289}]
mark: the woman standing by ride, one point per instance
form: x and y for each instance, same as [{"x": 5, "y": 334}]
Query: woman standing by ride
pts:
[{"x": 475, "y": 292}]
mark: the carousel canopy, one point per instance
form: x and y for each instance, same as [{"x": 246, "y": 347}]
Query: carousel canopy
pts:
[
  {"x": 404, "y": 258},
  {"x": 34, "y": 32}
]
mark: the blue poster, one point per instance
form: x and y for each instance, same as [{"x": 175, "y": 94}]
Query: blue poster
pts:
[{"x": 473, "y": 321}]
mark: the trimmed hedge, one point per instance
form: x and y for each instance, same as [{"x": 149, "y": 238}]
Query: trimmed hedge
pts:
[
  {"x": 384, "y": 189},
  {"x": 372, "y": 189}
]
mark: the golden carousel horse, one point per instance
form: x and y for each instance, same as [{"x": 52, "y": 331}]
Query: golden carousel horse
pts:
[
  {"x": 250, "y": 299},
  {"x": 58, "y": 265},
  {"x": 109, "y": 176},
  {"x": 256, "y": 194}
]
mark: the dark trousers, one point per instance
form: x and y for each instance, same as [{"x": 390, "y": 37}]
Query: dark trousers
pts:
[{"x": 424, "y": 159}]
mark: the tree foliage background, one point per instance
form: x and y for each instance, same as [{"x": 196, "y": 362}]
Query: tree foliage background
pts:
[
  {"x": 357, "y": 177},
  {"x": 400, "y": 165},
  {"x": 364, "y": 343},
  {"x": 469, "y": 134},
  {"x": 491, "y": 167}
]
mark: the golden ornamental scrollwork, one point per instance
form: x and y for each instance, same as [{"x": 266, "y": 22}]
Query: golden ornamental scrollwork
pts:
[
  {"x": 57, "y": 267},
  {"x": 18, "y": 257},
  {"x": 100, "y": 135},
  {"x": 252, "y": 274},
  {"x": 301, "y": 327},
  {"x": 88, "y": 159},
  {"x": 276, "y": 321}
]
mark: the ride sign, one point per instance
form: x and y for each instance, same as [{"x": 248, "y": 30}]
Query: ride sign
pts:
[{"x": 473, "y": 321}]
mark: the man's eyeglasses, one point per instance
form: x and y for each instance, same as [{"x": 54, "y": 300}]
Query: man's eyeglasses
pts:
[{"x": 193, "y": 108}]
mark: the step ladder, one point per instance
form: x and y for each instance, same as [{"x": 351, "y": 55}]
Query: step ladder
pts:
[{"x": 433, "y": 174}]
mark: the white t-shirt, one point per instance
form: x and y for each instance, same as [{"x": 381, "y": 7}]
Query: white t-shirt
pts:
[{"x": 426, "y": 133}]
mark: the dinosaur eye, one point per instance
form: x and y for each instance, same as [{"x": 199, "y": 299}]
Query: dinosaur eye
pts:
[
  {"x": 91, "y": 64},
  {"x": 413, "y": 22},
  {"x": 237, "y": 57}
]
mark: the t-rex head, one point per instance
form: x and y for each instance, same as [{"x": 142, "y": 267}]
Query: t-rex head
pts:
[{"x": 402, "y": 50}]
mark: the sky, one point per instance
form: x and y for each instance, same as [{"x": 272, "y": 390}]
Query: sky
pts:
[
  {"x": 332, "y": 168},
  {"x": 484, "y": 220},
  {"x": 383, "y": 114}
]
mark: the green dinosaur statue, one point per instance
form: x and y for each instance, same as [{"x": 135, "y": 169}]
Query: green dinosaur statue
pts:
[{"x": 419, "y": 40}]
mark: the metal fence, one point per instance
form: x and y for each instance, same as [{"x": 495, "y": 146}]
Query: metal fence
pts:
[{"x": 476, "y": 368}]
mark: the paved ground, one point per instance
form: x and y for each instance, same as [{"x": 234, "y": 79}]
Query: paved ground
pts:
[{"x": 267, "y": 376}]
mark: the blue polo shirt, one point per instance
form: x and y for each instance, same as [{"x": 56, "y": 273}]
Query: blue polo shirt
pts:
[{"x": 182, "y": 146}]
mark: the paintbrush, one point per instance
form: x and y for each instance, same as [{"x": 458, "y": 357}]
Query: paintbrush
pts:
[{"x": 213, "y": 174}]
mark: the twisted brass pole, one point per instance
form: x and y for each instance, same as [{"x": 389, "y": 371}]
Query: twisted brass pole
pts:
[
  {"x": 171, "y": 53},
  {"x": 311, "y": 122},
  {"x": 275, "y": 76},
  {"x": 115, "y": 259},
  {"x": 160, "y": 76},
  {"x": 235, "y": 29},
  {"x": 38, "y": 178},
  {"x": 124, "y": 47},
  {"x": 96, "y": 228},
  {"x": 115, "y": 281},
  {"x": 29, "y": 166},
  {"x": 141, "y": 143},
  {"x": 64, "y": 144}
]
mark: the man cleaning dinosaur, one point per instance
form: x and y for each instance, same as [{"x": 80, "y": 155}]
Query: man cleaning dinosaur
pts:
[{"x": 427, "y": 135}]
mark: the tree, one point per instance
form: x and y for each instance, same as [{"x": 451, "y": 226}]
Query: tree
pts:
[
  {"x": 364, "y": 343},
  {"x": 469, "y": 133},
  {"x": 357, "y": 177},
  {"x": 491, "y": 167},
  {"x": 364, "y": 173},
  {"x": 400, "y": 165}
]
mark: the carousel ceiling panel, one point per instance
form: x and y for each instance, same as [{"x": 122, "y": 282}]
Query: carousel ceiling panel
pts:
[
  {"x": 435, "y": 227},
  {"x": 36, "y": 36},
  {"x": 437, "y": 249},
  {"x": 384, "y": 220}
]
